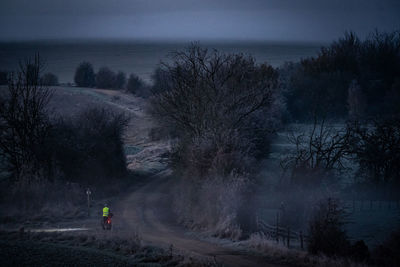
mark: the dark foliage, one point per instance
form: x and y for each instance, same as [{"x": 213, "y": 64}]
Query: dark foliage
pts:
[
  {"x": 105, "y": 78},
  {"x": 325, "y": 231},
  {"x": 321, "y": 84},
  {"x": 120, "y": 80},
  {"x": 388, "y": 254},
  {"x": 108, "y": 79},
  {"x": 84, "y": 75},
  {"x": 377, "y": 150},
  {"x": 359, "y": 251},
  {"x": 162, "y": 80},
  {"x": 49, "y": 79},
  {"x": 89, "y": 148},
  {"x": 24, "y": 123},
  {"x": 4, "y": 75},
  {"x": 137, "y": 86}
]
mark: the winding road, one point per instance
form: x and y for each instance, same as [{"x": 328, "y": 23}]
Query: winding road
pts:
[{"x": 148, "y": 211}]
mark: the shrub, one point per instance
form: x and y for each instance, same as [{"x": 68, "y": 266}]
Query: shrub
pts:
[
  {"x": 388, "y": 253},
  {"x": 120, "y": 80},
  {"x": 213, "y": 203},
  {"x": 136, "y": 85},
  {"x": 49, "y": 79},
  {"x": 376, "y": 147},
  {"x": 4, "y": 77},
  {"x": 105, "y": 78},
  {"x": 84, "y": 75},
  {"x": 325, "y": 230},
  {"x": 42, "y": 201},
  {"x": 89, "y": 148}
]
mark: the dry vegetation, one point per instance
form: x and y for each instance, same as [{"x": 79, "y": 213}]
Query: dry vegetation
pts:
[
  {"x": 101, "y": 249},
  {"x": 222, "y": 109}
]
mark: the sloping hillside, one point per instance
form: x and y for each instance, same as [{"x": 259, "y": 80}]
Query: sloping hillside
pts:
[{"x": 143, "y": 154}]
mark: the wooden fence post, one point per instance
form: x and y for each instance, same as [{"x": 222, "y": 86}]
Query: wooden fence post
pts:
[{"x": 88, "y": 193}]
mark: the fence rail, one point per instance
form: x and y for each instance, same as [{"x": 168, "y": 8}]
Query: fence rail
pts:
[
  {"x": 371, "y": 205},
  {"x": 286, "y": 235},
  {"x": 280, "y": 233}
]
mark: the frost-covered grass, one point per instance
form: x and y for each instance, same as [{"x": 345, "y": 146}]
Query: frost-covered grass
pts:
[
  {"x": 118, "y": 249},
  {"x": 282, "y": 255},
  {"x": 132, "y": 150}
]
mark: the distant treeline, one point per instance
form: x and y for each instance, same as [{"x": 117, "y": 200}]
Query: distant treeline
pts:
[
  {"x": 105, "y": 78},
  {"x": 349, "y": 77},
  {"x": 47, "y": 79}
]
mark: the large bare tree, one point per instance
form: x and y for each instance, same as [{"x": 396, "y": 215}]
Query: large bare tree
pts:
[
  {"x": 24, "y": 122},
  {"x": 228, "y": 100}
]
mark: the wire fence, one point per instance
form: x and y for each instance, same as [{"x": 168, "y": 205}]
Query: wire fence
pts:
[
  {"x": 291, "y": 238},
  {"x": 354, "y": 206},
  {"x": 281, "y": 234}
]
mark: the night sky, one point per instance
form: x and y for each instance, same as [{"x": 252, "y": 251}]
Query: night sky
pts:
[{"x": 301, "y": 20}]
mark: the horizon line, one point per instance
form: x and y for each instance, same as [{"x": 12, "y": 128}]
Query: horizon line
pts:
[{"x": 161, "y": 40}]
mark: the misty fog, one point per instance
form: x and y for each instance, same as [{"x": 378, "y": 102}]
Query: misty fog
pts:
[{"x": 212, "y": 133}]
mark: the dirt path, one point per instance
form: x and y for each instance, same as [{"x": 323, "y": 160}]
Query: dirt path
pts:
[{"x": 148, "y": 211}]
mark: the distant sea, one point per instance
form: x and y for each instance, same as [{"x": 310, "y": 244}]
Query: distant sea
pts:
[{"x": 139, "y": 57}]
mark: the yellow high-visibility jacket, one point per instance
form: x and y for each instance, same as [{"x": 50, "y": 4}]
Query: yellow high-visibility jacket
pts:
[{"x": 106, "y": 211}]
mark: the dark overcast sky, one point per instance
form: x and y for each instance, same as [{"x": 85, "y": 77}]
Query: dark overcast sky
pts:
[{"x": 305, "y": 20}]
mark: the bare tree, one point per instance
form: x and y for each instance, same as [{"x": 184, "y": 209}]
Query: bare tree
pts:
[
  {"x": 376, "y": 146},
  {"x": 217, "y": 95},
  {"x": 326, "y": 229},
  {"x": 24, "y": 121},
  {"x": 222, "y": 109},
  {"x": 317, "y": 153}
]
